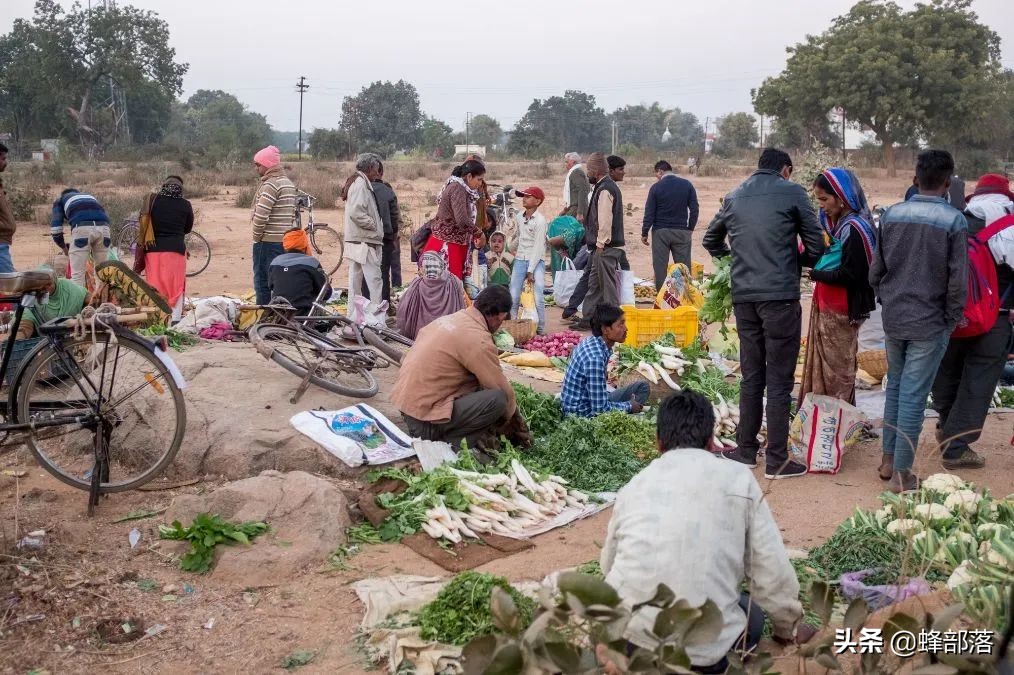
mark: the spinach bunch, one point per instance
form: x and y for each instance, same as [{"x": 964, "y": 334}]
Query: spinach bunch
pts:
[
  {"x": 204, "y": 534},
  {"x": 461, "y": 611}
]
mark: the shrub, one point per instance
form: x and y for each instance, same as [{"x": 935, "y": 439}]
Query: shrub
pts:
[{"x": 245, "y": 197}]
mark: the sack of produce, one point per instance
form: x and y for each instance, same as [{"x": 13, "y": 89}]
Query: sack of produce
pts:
[
  {"x": 529, "y": 359},
  {"x": 823, "y": 429}
]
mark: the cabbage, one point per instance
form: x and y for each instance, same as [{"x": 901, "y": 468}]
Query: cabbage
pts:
[{"x": 503, "y": 340}]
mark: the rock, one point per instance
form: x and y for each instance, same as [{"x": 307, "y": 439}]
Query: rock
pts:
[
  {"x": 308, "y": 517},
  {"x": 170, "y": 588}
]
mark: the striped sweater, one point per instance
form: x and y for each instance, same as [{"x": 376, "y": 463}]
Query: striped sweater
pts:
[
  {"x": 275, "y": 207},
  {"x": 75, "y": 208}
]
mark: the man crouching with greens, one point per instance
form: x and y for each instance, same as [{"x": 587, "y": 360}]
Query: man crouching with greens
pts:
[
  {"x": 585, "y": 392},
  {"x": 700, "y": 525}
]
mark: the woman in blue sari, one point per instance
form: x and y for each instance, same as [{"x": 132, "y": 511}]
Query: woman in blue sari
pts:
[{"x": 842, "y": 297}]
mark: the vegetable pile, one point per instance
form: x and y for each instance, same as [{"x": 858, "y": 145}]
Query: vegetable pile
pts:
[
  {"x": 503, "y": 340},
  {"x": 541, "y": 411},
  {"x": 461, "y": 611},
  {"x": 718, "y": 294},
  {"x": 206, "y": 532},
  {"x": 554, "y": 344}
]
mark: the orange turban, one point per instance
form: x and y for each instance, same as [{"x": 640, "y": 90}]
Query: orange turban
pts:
[{"x": 296, "y": 240}]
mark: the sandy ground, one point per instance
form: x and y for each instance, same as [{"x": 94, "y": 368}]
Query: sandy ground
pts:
[{"x": 89, "y": 571}]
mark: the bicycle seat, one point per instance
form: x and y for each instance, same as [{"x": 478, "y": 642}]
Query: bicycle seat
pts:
[{"x": 19, "y": 283}]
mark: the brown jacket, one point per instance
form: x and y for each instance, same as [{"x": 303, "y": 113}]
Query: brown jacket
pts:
[
  {"x": 451, "y": 357},
  {"x": 7, "y": 224}
]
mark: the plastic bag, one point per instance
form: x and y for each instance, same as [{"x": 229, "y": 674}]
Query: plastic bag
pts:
[
  {"x": 527, "y": 311},
  {"x": 677, "y": 289},
  {"x": 565, "y": 282},
  {"x": 626, "y": 279},
  {"x": 822, "y": 430}
]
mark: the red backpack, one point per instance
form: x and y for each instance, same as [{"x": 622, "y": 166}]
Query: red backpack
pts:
[{"x": 983, "y": 304}]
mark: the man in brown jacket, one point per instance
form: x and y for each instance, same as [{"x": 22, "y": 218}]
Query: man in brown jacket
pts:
[
  {"x": 7, "y": 224},
  {"x": 450, "y": 386}
]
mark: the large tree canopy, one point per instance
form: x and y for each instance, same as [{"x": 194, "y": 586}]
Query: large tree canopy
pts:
[
  {"x": 383, "y": 117},
  {"x": 926, "y": 73},
  {"x": 561, "y": 123},
  {"x": 484, "y": 130},
  {"x": 644, "y": 127},
  {"x": 736, "y": 131},
  {"x": 216, "y": 125},
  {"x": 79, "y": 71}
]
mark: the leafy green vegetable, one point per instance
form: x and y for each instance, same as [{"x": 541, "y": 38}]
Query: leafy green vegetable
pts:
[
  {"x": 591, "y": 567},
  {"x": 541, "y": 411},
  {"x": 408, "y": 508},
  {"x": 853, "y": 548},
  {"x": 177, "y": 340},
  {"x": 718, "y": 294},
  {"x": 710, "y": 383},
  {"x": 1007, "y": 397},
  {"x": 631, "y": 431},
  {"x": 298, "y": 659},
  {"x": 204, "y": 534},
  {"x": 461, "y": 611}
]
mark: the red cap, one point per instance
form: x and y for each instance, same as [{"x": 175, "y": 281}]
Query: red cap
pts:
[
  {"x": 992, "y": 184},
  {"x": 532, "y": 191}
]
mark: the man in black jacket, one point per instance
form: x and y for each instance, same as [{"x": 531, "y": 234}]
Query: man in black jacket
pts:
[
  {"x": 670, "y": 215},
  {"x": 764, "y": 218}
]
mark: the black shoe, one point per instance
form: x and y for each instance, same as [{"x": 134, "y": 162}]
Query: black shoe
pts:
[
  {"x": 567, "y": 313},
  {"x": 583, "y": 324},
  {"x": 738, "y": 456},
  {"x": 969, "y": 459},
  {"x": 789, "y": 470}
]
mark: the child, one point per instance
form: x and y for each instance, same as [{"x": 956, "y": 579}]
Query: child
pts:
[
  {"x": 498, "y": 260},
  {"x": 529, "y": 260}
]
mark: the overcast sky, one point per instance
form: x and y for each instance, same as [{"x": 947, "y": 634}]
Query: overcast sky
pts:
[{"x": 494, "y": 58}]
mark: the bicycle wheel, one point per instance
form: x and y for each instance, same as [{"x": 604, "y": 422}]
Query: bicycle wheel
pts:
[
  {"x": 198, "y": 253},
  {"x": 130, "y": 396},
  {"x": 345, "y": 371},
  {"x": 391, "y": 343},
  {"x": 329, "y": 246},
  {"x": 125, "y": 243}
]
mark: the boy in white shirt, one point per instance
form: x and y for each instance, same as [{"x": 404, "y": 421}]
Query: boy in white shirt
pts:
[{"x": 529, "y": 260}]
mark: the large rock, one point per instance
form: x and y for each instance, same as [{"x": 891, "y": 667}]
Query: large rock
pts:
[
  {"x": 238, "y": 415},
  {"x": 308, "y": 516}
]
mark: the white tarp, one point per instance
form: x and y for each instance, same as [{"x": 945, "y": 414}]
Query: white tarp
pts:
[{"x": 356, "y": 435}]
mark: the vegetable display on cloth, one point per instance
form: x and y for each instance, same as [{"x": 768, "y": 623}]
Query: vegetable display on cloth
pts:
[
  {"x": 718, "y": 294},
  {"x": 461, "y": 611},
  {"x": 554, "y": 344}
]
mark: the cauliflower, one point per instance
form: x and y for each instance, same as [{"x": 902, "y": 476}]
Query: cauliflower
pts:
[
  {"x": 943, "y": 482},
  {"x": 960, "y": 576},
  {"x": 991, "y": 530},
  {"x": 933, "y": 512},
  {"x": 884, "y": 515},
  {"x": 904, "y": 526},
  {"x": 963, "y": 501},
  {"x": 957, "y": 546},
  {"x": 991, "y": 555}
]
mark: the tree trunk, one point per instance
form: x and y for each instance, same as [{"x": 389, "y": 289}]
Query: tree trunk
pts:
[{"x": 888, "y": 145}]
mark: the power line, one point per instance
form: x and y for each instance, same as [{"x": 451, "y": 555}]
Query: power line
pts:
[{"x": 301, "y": 87}]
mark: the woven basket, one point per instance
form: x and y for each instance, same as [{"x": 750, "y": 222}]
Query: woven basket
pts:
[
  {"x": 521, "y": 330},
  {"x": 874, "y": 363}
]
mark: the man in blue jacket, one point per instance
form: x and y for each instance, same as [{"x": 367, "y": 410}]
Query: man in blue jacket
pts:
[
  {"x": 670, "y": 214},
  {"x": 89, "y": 231}
]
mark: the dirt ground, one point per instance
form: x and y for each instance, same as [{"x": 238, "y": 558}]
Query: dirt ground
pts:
[{"x": 87, "y": 571}]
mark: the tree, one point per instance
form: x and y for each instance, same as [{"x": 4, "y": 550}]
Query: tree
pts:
[
  {"x": 905, "y": 75},
  {"x": 328, "y": 144},
  {"x": 484, "y": 130},
  {"x": 736, "y": 131},
  {"x": 644, "y": 127},
  {"x": 383, "y": 117},
  {"x": 436, "y": 139},
  {"x": 560, "y": 124},
  {"x": 91, "y": 61},
  {"x": 216, "y": 125}
]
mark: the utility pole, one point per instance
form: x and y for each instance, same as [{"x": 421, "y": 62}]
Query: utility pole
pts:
[
  {"x": 614, "y": 137},
  {"x": 843, "y": 150},
  {"x": 301, "y": 87},
  {"x": 468, "y": 121}
]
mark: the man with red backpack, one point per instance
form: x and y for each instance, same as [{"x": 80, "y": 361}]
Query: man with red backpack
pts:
[{"x": 978, "y": 350}]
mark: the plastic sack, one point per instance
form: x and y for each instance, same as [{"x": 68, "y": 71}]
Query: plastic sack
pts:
[
  {"x": 876, "y": 597},
  {"x": 677, "y": 290},
  {"x": 565, "y": 282},
  {"x": 626, "y": 280},
  {"x": 822, "y": 430},
  {"x": 356, "y": 435},
  {"x": 527, "y": 311}
]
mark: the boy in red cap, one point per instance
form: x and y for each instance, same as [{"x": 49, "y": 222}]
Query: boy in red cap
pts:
[{"x": 529, "y": 259}]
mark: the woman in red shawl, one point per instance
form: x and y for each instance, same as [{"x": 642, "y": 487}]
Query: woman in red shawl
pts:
[{"x": 454, "y": 228}]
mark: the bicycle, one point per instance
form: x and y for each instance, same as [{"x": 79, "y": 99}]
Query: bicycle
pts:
[
  {"x": 198, "y": 249},
  {"x": 327, "y": 243},
  {"x": 389, "y": 342},
  {"x": 100, "y": 406}
]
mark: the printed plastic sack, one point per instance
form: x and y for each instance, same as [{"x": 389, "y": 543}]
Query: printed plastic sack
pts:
[
  {"x": 626, "y": 279},
  {"x": 677, "y": 290},
  {"x": 356, "y": 435},
  {"x": 527, "y": 311},
  {"x": 823, "y": 429},
  {"x": 565, "y": 282}
]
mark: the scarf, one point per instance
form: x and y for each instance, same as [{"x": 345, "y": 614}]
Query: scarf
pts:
[
  {"x": 846, "y": 186},
  {"x": 171, "y": 189},
  {"x": 434, "y": 294},
  {"x": 566, "y": 184},
  {"x": 989, "y": 207}
]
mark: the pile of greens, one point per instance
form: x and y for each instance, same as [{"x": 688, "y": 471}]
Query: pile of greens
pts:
[
  {"x": 206, "y": 532},
  {"x": 710, "y": 382},
  {"x": 859, "y": 547},
  {"x": 461, "y": 611},
  {"x": 718, "y": 294},
  {"x": 541, "y": 411},
  {"x": 631, "y": 431},
  {"x": 177, "y": 340},
  {"x": 408, "y": 508}
]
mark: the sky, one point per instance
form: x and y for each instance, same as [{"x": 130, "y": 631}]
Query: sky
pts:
[{"x": 492, "y": 57}]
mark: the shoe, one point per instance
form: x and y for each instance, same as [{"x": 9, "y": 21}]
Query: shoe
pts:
[
  {"x": 904, "y": 481},
  {"x": 886, "y": 469},
  {"x": 567, "y": 313},
  {"x": 969, "y": 459},
  {"x": 581, "y": 325},
  {"x": 788, "y": 470},
  {"x": 741, "y": 457}
]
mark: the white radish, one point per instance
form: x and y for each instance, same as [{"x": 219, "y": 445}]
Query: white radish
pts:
[
  {"x": 578, "y": 495},
  {"x": 558, "y": 480},
  {"x": 722, "y": 407},
  {"x": 431, "y": 531},
  {"x": 524, "y": 477},
  {"x": 487, "y": 514}
]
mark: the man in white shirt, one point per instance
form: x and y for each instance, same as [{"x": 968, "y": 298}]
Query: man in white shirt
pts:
[{"x": 700, "y": 525}]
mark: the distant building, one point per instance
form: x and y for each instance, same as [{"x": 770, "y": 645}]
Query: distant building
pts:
[{"x": 470, "y": 149}]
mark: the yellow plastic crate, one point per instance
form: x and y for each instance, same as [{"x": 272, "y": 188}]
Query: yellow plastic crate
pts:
[{"x": 646, "y": 325}]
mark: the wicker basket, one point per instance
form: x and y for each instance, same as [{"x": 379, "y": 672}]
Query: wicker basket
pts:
[
  {"x": 874, "y": 363},
  {"x": 521, "y": 330}
]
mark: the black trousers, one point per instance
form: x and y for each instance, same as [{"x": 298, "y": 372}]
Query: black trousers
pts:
[
  {"x": 769, "y": 335},
  {"x": 965, "y": 383},
  {"x": 389, "y": 256},
  {"x": 472, "y": 415},
  {"x": 581, "y": 290}
]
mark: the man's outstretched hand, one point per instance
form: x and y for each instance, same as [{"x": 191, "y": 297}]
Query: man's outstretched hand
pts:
[{"x": 635, "y": 406}]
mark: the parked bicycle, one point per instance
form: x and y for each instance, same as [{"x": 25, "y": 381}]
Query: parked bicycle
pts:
[
  {"x": 328, "y": 244},
  {"x": 198, "y": 248},
  {"x": 98, "y": 404}
]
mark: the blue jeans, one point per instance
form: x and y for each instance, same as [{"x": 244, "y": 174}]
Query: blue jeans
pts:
[
  {"x": 263, "y": 253},
  {"x": 6, "y": 264},
  {"x": 519, "y": 271},
  {"x": 911, "y": 367}
]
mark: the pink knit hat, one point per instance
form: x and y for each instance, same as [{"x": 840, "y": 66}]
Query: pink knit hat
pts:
[{"x": 269, "y": 157}]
